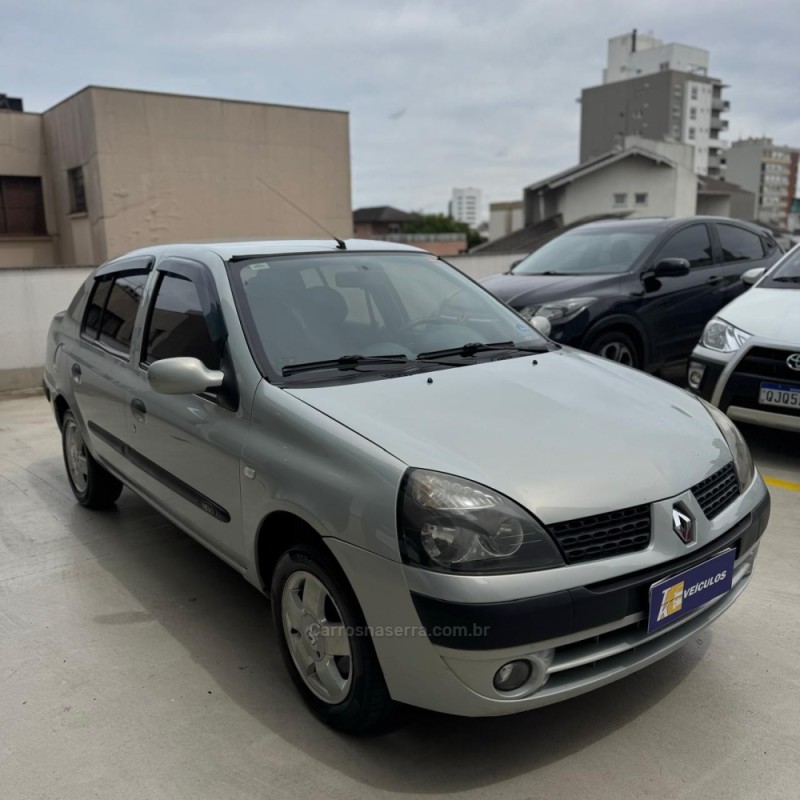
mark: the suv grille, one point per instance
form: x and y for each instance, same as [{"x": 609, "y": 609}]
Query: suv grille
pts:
[
  {"x": 767, "y": 362},
  {"x": 603, "y": 535},
  {"x": 717, "y": 491}
]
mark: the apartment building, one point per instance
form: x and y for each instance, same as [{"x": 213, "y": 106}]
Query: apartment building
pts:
[
  {"x": 108, "y": 170},
  {"x": 770, "y": 172},
  {"x": 656, "y": 91},
  {"x": 465, "y": 206}
]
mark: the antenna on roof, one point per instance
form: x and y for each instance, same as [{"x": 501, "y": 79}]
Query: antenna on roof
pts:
[{"x": 340, "y": 245}]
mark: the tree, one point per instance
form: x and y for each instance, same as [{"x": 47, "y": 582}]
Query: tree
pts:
[{"x": 443, "y": 223}]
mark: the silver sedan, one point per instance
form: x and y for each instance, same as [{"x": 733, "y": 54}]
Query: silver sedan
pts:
[{"x": 447, "y": 509}]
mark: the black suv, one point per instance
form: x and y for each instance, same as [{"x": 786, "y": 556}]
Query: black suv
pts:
[{"x": 636, "y": 291}]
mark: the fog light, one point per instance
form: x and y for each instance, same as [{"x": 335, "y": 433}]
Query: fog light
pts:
[
  {"x": 512, "y": 675},
  {"x": 696, "y": 372}
]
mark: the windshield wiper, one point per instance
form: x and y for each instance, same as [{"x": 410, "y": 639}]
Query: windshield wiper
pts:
[
  {"x": 472, "y": 348},
  {"x": 788, "y": 278},
  {"x": 344, "y": 362}
]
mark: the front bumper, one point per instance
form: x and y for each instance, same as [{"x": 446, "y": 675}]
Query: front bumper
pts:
[
  {"x": 439, "y": 654},
  {"x": 732, "y": 382}
]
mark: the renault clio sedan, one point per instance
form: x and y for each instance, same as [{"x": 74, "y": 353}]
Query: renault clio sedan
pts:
[
  {"x": 748, "y": 360},
  {"x": 447, "y": 508}
]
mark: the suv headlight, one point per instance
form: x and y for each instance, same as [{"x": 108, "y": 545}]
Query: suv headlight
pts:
[
  {"x": 722, "y": 336},
  {"x": 451, "y": 524},
  {"x": 558, "y": 309},
  {"x": 742, "y": 460}
]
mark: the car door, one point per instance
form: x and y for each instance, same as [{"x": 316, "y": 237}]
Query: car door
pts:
[
  {"x": 675, "y": 309},
  {"x": 98, "y": 367},
  {"x": 185, "y": 449},
  {"x": 741, "y": 249}
]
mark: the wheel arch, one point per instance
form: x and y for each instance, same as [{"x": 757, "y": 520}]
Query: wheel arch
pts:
[
  {"x": 60, "y": 406},
  {"x": 279, "y": 531},
  {"x": 620, "y": 322}
]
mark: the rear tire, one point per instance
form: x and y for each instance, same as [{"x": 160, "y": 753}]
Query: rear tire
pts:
[
  {"x": 616, "y": 346},
  {"x": 325, "y": 645},
  {"x": 93, "y": 486}
]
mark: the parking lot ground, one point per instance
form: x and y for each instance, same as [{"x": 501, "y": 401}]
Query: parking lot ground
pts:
[{"x": 133, "y": 664}]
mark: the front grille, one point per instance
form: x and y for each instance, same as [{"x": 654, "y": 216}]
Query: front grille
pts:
[
  {"x": 768, "y": 362},
  {"x": 717, "y": 491},
  {"x": 603, "y": 535}
]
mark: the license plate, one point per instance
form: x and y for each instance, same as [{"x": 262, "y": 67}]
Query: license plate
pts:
[
  {"x": 681, "y": 594},
  {"x": 779, "y": 394}
]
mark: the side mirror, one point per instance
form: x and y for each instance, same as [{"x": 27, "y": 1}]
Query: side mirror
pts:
[
  {"x": 671, "y": 268},
  {"x": 183, "y": 375},
  {"x": 752, "y": 275},
  {"x": 542, "y": 324}
]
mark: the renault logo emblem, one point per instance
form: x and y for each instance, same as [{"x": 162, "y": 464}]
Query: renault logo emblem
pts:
[
  {"x": 683, "y": 525},
  {"x": 793, "y": 362}
]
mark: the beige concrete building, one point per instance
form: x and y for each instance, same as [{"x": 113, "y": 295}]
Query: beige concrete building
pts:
[{"x": 109, "y": 170}]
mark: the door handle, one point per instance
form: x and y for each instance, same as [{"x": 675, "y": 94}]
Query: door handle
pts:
[
  {"x": 76, "y": 372},
  {"x": 138, "y": 409},
  {"x": 714, "y": 280}
]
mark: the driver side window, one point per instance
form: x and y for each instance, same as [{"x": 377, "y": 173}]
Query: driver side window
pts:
[{"x": 177, "y": 325}]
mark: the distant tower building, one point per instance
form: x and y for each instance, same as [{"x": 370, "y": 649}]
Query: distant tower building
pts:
[
  {"x": 656, "y": 91},
  {"x": 466, "y": 206},
  {"x": 770, "y": 172}
]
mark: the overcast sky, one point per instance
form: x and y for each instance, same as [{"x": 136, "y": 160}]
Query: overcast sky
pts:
[{"x": 441, "y": 93}]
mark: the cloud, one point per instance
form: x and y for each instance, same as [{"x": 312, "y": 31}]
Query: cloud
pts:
[{"x": 451, "y": 93}]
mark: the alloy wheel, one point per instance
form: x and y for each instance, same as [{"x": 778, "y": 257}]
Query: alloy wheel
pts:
[{"x": 317, "y": 637}]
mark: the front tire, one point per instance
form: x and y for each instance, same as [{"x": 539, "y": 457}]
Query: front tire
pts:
[
  {"x": 616, "y": 346},
  {"x": 325, "y": 645},
  {"x": 92, "y": 485}
]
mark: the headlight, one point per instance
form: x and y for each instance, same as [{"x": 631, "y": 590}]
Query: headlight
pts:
[
  {"x": 558, "y": 309},
  {"x": 722, "y": 336},
  {"x": 742, "y": 460},
  {"x": 454, "y": 525}
]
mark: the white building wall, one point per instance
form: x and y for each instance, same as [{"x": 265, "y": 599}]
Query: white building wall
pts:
[
  {"x": 465, "y": 205},
  {"x": 669, "y": 191},
  {"x": 31, "y": 298},
  {"x": 651, "y": 56},
  {"x": 696, "y": 130}
]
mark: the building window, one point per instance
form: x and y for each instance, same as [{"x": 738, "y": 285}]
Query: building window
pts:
[
  {"x": 620, "y": 199},
  {"x": 691, "y": 133},
  {"x": 640, "y": 198},
  {"x": 694, "y": 93},
  {"x": 77, "y": 191},
  {"x": 692, "y": 113},
  {"x": 21, "y": 207}
]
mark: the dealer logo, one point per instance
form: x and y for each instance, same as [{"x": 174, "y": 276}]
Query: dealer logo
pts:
[
  {"x": 683, "y": 525},
  {"x": 793, "y": 362},
  {"x": 671, "y": 601}
]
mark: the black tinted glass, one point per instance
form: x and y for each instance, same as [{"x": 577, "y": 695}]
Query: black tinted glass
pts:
[
  {"x": 116, "y": 327},
  {"x": 739, "y": 244},
  {"x": 177, "y": 325},
  {"x": 693, "y": 244},
  {"x": 97, "y": 302}
]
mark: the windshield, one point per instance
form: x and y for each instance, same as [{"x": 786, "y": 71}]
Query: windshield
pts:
[
  {"x": 586, "y": 252},
  {"x": 330, "y": 306},
  {"x": 786, "y": 274}
]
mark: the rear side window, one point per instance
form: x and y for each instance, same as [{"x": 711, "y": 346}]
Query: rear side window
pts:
[
  {"x": 112, "y": 308},
  {"x": 739, "y": 244},
  {"x": 177, "y": 325},
  {"x": 691, "y": 243}
]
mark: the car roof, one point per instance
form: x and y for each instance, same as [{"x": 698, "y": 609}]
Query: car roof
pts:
[
  {"x": 243, "y": 249},
  {"x": 660, "y": 223}
]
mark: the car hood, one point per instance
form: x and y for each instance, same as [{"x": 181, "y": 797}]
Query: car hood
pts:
[
  {"x": 523, "y": 290},
  {"x": 767, "y": 313},
  {"x": 567, "y": 436}
]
